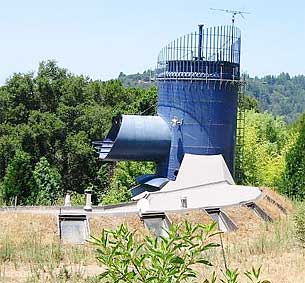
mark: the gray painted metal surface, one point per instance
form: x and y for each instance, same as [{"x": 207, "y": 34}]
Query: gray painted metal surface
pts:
[
  {"x": 123, "y": 209},
  {"x": 204, "y": 181},
  {"x": 259, "y": 211},
  {"x": 73, "y": 228},
  {"x": 152, "y": 180},
  {"x": 156, "y": 222},
  {"x": 225, "y": 223}
]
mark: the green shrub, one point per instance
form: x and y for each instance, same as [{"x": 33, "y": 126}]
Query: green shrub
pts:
[
  {"x": 170, "y": 259},
  {"x": 47, "y": 183},
  {"x": 293, "y": 179},
  {"x": 124, "y": 178},
  {"x": 18, "y": 180},
  {"x": 265, "y": 143}
]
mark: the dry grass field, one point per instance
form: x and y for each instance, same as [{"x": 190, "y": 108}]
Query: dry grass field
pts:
[{"x": 30, "y": 250}]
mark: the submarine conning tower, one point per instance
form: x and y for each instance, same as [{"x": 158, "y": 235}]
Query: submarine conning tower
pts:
[{"x": 198, "y": 78}]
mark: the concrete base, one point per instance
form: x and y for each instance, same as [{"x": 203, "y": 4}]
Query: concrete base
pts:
[{"x": 203, "y": 181}]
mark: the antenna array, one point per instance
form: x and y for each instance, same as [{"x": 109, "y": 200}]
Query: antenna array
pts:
[{"x": 232, "y": 12}]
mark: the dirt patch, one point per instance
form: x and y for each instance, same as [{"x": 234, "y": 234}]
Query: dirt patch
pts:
[
  {"x": 280, "y": 199},
  {"x": 98, "y": 223},
  {"x": 192, "y": 216},
  {"x": 247, "y": 222},
  {"x": 271, "y": 209}
]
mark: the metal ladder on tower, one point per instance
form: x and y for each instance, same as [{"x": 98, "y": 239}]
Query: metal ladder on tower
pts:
[{"x": 240, "y": 133}]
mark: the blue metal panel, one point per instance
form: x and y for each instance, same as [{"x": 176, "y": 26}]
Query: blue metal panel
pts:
[
  {"x": 134, "y": 137},
  {"x": 207, "y": 112}
]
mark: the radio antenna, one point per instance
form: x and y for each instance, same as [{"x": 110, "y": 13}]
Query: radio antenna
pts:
[{"x": 233, "y": 13}]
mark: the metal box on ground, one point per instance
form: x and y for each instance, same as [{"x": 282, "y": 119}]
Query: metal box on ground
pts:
[{"x": 73, "y": 228}]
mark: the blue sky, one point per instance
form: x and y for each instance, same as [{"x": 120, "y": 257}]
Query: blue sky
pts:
[{"x": 100, "y": 38}]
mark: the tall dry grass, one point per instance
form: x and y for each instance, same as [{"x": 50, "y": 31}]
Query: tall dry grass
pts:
[{"x": 30, "y": 250}]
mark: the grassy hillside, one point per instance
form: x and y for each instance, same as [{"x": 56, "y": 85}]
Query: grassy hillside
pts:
[{"x": 30, "y": 250}]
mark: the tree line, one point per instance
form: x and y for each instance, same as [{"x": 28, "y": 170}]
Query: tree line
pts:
[
  {"x": 48, "y": 121},
  {"x": 280, "y": 95}
]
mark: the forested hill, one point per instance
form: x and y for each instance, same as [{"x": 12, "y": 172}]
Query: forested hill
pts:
[
  {"x": 280, "y": 95},
  {"x": 143, "y": 80},
  {"x": 49, "y": 119},
  {"x": 47, "y": 123}
]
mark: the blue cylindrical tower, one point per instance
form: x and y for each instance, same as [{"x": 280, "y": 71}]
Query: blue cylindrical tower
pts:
[
  {"x": 198, "y": 80},
  {"x": 198, "y": 76}
]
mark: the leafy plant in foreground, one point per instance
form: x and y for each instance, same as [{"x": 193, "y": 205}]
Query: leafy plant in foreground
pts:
[
  {"x": 165, "y": 259},
  {"x": 170, "y": 259}
]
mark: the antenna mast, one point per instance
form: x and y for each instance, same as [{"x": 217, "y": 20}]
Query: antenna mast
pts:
[
  {"x": 241, "y": 109},
  {"x": 232, "y": 12}
]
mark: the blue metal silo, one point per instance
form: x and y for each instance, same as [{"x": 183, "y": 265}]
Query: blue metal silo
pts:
[
  {"x": 198, "y": 80},
  {"x": 198, "y": 77}
]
